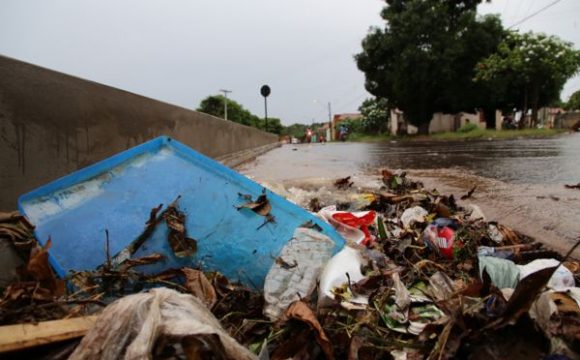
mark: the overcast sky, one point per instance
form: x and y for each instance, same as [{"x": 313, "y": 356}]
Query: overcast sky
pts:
[{"x": 180, "y": 51}]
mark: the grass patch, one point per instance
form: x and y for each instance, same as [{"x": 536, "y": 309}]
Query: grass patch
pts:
[
  {"x": 495, "y": 134},
  {"x": 466, "y": 134},
  {"x": 360, "y": 137}
]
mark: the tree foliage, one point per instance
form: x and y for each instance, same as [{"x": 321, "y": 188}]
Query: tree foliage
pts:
[
  {"x": 574, "y": 101},
  {"x": 424, "y": 59},
  {"x": 531, "y": 68},
  {"x": 375, "y": 114},
  {"x": 214, "y": 105}
]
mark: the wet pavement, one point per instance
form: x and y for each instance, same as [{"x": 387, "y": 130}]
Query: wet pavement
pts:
[{"x": 520, "y": 182}]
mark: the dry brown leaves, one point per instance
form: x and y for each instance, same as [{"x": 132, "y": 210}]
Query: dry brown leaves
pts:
[
  {"x": 199, "y": 286},
  {"x": 261, "y": 206},
  {"x": 181, "y": 245},
  {"x": 39, "y": 269},
  {"x": 301, "y": 311}
]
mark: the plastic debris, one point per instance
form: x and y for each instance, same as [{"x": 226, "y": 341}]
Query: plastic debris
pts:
[
  {"x": 351, "y": 234},
  {"x": 440, "y": 239},
  {"x": 307, "y": 253},
  {"x": 503, "y": 273},
  {"x": 412, "y": 215},
  {"x": 438, "y": 285},
  {"x": 130, "y": 327},
  {"x": 494, "y": 233},
  {"x": 347, "y": 261},
  {"x": 476, "y": 213},
  {"x": 561, "y": 279}
]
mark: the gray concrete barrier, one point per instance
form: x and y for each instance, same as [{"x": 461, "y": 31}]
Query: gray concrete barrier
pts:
[{"x": 52, "y": 124}]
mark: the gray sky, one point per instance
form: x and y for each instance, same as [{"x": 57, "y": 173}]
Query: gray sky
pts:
[{"x": 180, "y": 51}]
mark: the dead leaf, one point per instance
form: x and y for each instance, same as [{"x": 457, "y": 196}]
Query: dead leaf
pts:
[
  {"x": 442, "y": 210},
  {"x": 288, "y": 349},
  {"x": 565, "y": 303},
  {"x": 509, "y": 235},
  {"x": 300, "y": 311},
  {"x": 469, "y": 193},
  {"x": 199, "y": 286},
  {"x": 285, "y": 265},
  {"x": 355, "y": 344},
  {"x": 181, "y": 245},
  {"x": 153, "y": 215},
  {"x": 526, "y": 292},
  {"x": 343, "y": 183},
  {"x": 145, "y": 260},
  {"x": 39, "y": 269},
  {"x": 261, "y": 206}
]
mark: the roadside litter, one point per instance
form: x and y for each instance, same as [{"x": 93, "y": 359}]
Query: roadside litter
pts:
[{"x": 408, "y": 273}]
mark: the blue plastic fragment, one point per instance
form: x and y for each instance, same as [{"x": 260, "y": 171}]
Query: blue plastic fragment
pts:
[{"x": 117, "y": 194}]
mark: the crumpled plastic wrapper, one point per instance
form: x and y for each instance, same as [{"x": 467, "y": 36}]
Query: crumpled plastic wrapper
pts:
[{"x": 130, "y": 327}]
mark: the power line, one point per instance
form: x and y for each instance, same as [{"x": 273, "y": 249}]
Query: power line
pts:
[{"x": 534, "y": 14}]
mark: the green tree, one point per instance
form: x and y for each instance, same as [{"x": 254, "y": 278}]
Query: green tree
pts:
[
  {"x": 376, "y": 115},
  {"x": 530, "y": 67},
  {"x": 423, "y": 60},
  {"x": 574, "y": 101},
  {"x": 214, "y": 105}
]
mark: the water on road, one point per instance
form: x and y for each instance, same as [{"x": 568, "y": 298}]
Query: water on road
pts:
[{"x": 520, "y": 182}]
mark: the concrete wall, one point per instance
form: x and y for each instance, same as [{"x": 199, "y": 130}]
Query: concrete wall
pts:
[
  {"x": 452, "y": 122},
  {"x": 440, "y": 122},
  {"x": 568, "y": 120},
  {"x": 52, "y": 124}
]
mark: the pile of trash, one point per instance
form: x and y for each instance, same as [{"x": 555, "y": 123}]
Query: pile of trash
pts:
[{"x": 420, "y": 278}]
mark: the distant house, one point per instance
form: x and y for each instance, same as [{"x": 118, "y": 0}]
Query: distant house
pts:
[
  {"x": 440, "y": 122},
  {"x": 338, "y": 118},
  {"x": 547, "y": 116}
]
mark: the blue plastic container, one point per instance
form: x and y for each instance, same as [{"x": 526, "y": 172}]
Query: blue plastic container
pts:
[{"x": 117, "y": 194}]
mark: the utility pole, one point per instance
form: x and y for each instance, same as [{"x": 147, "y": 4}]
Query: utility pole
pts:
[
  {"x": 226, "y": 92},
  {"x": 329, "y": 122}
]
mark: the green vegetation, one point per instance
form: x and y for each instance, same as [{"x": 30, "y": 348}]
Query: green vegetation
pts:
[
  {"x": 375, "y": 114},
  {"x": 214, "y": 105},
  {"x": 574, "y": 101},
  {"x": 493, "y": 134},
  {"x": 439, "y": 56},
  {"x": 530, "y": 70},
  {"x": 473, "y": 134},
  {"x": 468, "y": 128},
  {"x": 423, "y": 60}
]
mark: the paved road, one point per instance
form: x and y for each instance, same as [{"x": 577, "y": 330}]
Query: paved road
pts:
[{"x": 520, "y": 182}]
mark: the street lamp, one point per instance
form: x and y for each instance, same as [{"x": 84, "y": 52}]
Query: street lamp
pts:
[{"x": 226, "y": 92}]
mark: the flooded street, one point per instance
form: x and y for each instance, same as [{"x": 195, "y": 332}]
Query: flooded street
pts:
[{"x": 520, "y": 182}]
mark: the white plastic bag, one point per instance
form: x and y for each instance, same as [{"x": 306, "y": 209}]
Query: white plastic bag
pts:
[
  {"x": 348, "y": 260},
  {"x": 295, "y": 273},
  {"x": 412, "y": 215},
  {"x": 130, "y": 327},
  {"x": 562, "y": 278}
]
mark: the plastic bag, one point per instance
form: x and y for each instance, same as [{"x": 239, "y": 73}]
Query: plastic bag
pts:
[
  {"x": 130, "y": 327},
  {"x": 562, "y": 278},
  {"x": 349, "y": 233},
  {"x": 296, "y": 270},
  {"x": 347, "y": 261},
  {"x": 503, "y": 273},
  {"x": 412, "y": 215},
  {"x": 359, "y": 221}
]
